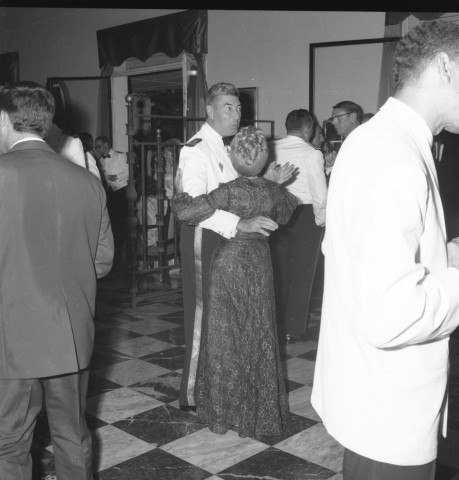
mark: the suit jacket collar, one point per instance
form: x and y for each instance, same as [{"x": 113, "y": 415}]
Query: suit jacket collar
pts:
[{"x": 31, "y": 145}]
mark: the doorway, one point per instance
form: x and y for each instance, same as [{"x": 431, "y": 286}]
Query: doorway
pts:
[{"x": 158, "y": 94}]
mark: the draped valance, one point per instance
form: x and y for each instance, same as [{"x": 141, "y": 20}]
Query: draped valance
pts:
[{"x": 169, "y": 34}]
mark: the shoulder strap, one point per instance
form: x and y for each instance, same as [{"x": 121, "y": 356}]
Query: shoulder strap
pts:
[{"x": 193, "y": 142}]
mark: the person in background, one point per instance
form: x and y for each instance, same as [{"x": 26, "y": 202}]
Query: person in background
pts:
[
  {"x": 88, "y": 147},
  {"x": 391, "y": 293},
  {"x": 55, "y": 242},
  {"x": 239, "y": 379},
  {"x": 318, "y": 138},
  {"x": 295, "y": 247},
  {"x": 346, "y": 117},
  {"x": 152, "y": 210},
  {"x": 71, "y": 148},
  {"x": 170, "y": 149},
  {"x": 366, "y": 117},
  {"x": 116, "y": 173}
]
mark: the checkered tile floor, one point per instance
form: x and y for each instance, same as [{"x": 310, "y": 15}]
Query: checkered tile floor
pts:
[{"x": 139, "y": 432}]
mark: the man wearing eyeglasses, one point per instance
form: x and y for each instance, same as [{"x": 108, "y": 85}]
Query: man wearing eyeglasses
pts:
[{"x": 346, "y": 117}]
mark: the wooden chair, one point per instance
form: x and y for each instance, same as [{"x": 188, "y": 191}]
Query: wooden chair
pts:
[{"x": 152, "y": 259}]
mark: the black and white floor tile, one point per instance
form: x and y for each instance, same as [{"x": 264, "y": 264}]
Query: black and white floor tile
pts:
[{"x": 139, "y": 432}]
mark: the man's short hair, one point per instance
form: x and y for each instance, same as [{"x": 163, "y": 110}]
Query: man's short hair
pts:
[
  {"x": 350, "y": 107},
  {"x": 298, "y": 119},
  {"x": 30, "y": 107},
  {"x": 219, "y": 89},
  {"x": 367, "y": 116},
  {"x": 86, "y": 140},
  {"x": 102, "y": 139},
  {"x": 419, "y": 46}
]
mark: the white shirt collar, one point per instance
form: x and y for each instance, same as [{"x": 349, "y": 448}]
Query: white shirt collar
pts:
[
  {"x": 411, "y": 118},
  {"x": 212, "y": 133},
  {"x": 28, "y": 139}
]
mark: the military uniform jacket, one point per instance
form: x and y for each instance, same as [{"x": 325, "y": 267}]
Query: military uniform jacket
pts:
[{"x": 205, "y": 163}]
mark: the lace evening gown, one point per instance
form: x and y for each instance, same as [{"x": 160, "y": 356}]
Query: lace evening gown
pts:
[{"x": 239, "y": 378}]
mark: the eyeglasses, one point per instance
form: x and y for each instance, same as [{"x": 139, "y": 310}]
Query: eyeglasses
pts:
[{"x": 330, "y": 120}]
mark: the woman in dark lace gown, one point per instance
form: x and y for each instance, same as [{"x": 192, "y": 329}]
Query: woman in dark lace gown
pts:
[{"x": 239, "y": 378}]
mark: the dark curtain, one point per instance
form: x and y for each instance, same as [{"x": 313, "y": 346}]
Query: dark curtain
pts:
[
  {"x": 63, "y": 117},
  {"x": 197, "y": 92},
  {"x": 169, "y": 34},
  {"x": 104, "y": 120},
  {"x": 9, "y": 68}
]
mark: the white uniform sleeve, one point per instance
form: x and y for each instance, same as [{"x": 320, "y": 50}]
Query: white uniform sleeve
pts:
[
  {"x": 318, "y": 187},
  {"x": 194, "y": 164}
]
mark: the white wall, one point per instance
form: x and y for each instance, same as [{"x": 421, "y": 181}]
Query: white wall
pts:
[
  {"x": 266, "y": 49},
  {"x": 270, "y": 50},
  {"x": 350, "y": 72},
  {"x": 61, "y": 42}
]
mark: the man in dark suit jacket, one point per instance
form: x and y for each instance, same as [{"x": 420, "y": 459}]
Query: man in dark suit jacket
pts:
[{"x": 55, "y": 241}]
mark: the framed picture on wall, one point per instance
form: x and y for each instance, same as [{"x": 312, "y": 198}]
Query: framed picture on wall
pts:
[{"x": 249, "y": 102}]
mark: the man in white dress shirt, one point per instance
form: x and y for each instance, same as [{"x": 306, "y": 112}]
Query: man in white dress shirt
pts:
[
  {"x": 116, "y": 173},
  {"x": 205, "y": 163},
  {"x": 71, "y": 148},
  {"x": 295, "y": 247},
  {"x": 391, "y": 294}
]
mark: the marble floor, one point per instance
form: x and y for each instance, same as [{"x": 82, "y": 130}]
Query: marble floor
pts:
[{"x": 140, "y": 433}]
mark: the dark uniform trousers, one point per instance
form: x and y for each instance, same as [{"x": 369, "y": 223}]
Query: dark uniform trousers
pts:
[
  {"x": 295, "y": 250},
  {"x": 195, "y": 285},
  {"x": 357, "y": 467}
]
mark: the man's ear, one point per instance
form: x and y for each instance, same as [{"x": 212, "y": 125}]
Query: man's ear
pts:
[
  {"x": 4, "y": 118},
  {"x": 210, "y": 111},
  {"x": 444, "y": 65},
  {"x": 308, "y": 133}
]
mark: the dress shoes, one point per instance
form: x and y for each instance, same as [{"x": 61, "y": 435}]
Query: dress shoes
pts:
[{"x": 188, "y": 408}]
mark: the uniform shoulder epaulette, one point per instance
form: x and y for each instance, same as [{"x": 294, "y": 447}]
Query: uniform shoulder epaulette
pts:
[{"x": 193, "y": 143}]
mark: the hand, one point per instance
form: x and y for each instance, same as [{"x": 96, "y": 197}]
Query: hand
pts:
[
  {"x": 453, "y": 253},
  {"x": 178, "y": 182},
  {"x": 263, "y": 225},
  {"x": 330, "y": 158},
  {"x": 112, "y": 178},
  {"x": 272, "y": 172},
  {"x": 286, "y": 172},
  {"x": 279, "y": 174}
]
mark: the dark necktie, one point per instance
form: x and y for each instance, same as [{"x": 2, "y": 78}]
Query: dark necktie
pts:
[
  {"x": 106, "y": 156},
  {"x": 227, "y": 141}
]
